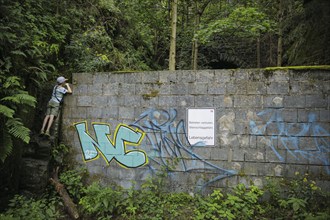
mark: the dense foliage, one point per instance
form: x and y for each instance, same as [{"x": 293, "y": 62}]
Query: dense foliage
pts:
[
  {"x": 41, "y": 39},
  {"x": 302, "y": 200}
]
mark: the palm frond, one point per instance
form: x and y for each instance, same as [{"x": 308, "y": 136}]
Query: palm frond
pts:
[
  {"x": 18, "y": 130},
  {"x": 6, "y": 111}
]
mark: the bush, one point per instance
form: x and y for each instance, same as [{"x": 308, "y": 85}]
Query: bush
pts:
[
  {"x": 300, "y": 199},
  {"x": 22, "y": 207},
  {"x": 73, "y": 181},
  {"x": 243, "y": 203},
  {"x": 101, "y": 202}
]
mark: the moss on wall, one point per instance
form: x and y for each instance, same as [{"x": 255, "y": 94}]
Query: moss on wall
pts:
[{"x": 323, "y": 67}]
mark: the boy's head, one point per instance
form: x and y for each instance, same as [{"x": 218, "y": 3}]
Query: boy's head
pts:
[{"x": 61, "y": 80}]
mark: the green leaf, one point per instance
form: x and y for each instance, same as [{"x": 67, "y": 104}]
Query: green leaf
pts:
[
  {"x": 6, "y": 111},
  {"x": 105, "y": 203},
  {"x": 18, "y": 52}
]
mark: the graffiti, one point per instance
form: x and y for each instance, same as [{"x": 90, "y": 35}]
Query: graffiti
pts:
[
  {"x": 168, "y": 142},
  {"x": 116, "y": 149},
  {"x": 290, "y": 135}
]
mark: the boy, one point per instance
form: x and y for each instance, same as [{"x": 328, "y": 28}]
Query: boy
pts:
[{"x": 54, "y": 103}]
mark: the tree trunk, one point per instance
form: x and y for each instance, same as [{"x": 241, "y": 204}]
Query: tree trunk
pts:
[
  {"x": 258, "y": 53},
  {"x": 280, "y": 35},
  {"x": 194, "y": 54},
  {"x": 271, "y": 61},
  {"x": 174, "y": 18},
  {"x": 195, "y": 42},
  {"x": 68, "y": 203},
  {"x": 199, "y": 10}
]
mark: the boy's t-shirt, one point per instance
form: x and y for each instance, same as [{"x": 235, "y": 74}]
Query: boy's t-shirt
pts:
[{"x": 58, "y": 93}]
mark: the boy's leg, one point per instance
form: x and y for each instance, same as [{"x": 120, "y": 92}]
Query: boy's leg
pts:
[
  {"x": 50, "y": 122},
  {"x": 44, "y": 123}
]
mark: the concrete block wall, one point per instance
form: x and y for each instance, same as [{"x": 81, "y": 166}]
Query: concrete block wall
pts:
[{"x": 268, "y": 123}]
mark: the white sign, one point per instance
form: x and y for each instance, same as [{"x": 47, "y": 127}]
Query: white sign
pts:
[{"x": 201, "y": 126}]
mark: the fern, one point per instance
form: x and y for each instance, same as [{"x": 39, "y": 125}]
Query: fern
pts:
[
  {"x": 21, "y": 98},
  {"x": 7, "y": 112},
  {"x": 40, "y": 73},
  {"x": 18, "y": 52},
  {"x": 12, "y": 98},
  {"x": 6, "y": 144},
  {"x": 12, "y": 81},
  {"x": 18, "y": 130}
]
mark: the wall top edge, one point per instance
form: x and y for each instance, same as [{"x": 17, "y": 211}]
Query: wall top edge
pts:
[{"x": 323, "y": 68}]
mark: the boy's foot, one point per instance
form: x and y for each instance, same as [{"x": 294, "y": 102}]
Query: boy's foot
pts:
[
  {"x": 47, "y": 134},
  {"x": 41, "y": 133}
]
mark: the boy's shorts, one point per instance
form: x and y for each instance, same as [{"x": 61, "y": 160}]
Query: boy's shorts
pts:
[{"x": 52, "y": 108}]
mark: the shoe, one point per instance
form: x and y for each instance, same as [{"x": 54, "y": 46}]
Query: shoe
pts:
[
  {"x": 47, "y": 134},
  {"x": 41, "y": 133}
]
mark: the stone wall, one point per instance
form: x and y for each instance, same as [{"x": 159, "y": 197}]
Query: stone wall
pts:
[{"x": 267, "y": 123}]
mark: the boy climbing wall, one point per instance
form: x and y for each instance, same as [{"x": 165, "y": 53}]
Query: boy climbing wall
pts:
[{"x": 54, "y": 103}]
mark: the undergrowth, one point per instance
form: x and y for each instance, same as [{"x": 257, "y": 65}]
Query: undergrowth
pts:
[{"x": 298, "y": 198}]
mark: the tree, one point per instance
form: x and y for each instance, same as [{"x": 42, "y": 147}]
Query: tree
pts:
[
  {"x": 199, "y": 10},
  {"x": 150, "y": 21},
  {"x": 174, "y": 18},
  {"x": 243, "y": 22},
  {"x": 280, "y": 34}
]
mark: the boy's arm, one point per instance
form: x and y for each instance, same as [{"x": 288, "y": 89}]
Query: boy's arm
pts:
[{"x": 68, "y": 88}]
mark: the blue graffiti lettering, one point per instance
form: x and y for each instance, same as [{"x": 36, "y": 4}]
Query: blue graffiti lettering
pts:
[
  {"x": 169, "y": 141},
  {"x": 112, "y": 149},
  {"x": 290, "y": 135}
]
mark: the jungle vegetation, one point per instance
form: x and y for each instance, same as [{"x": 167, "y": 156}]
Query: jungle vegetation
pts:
[{"x": 41, "y": 39}]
